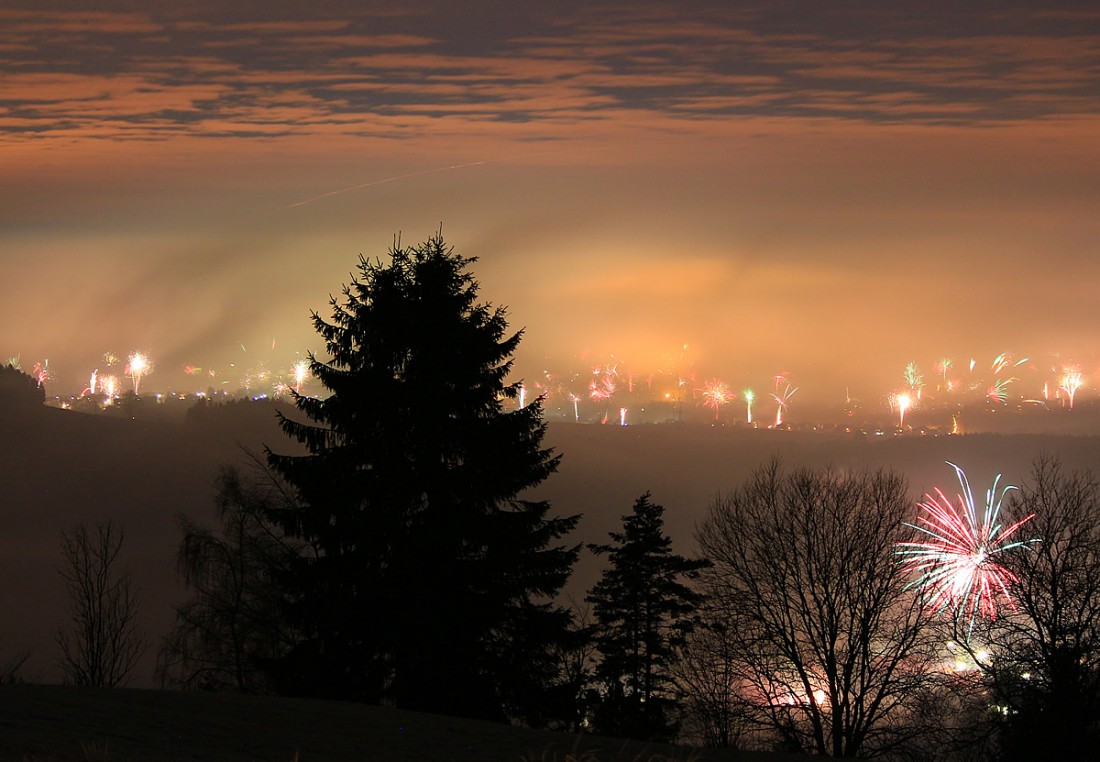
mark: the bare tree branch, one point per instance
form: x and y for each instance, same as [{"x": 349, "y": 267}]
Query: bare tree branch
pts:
[
  {"x": 101, "y": 643},
  {"x": 830, "y": 651}
]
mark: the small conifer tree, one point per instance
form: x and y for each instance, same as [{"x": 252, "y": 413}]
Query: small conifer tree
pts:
[{"x": 643, "y": 611}]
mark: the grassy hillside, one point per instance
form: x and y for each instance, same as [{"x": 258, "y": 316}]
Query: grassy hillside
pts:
[{"x": 56, "y": 724}]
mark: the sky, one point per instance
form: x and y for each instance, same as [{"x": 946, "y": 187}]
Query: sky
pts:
[{"x": 831, "y": 190}]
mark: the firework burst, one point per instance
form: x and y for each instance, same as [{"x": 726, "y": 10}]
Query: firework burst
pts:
[
  {"x": 138, "y": 367},
  {"x": 299, "y": 371},
  {"x": 957, "y": 565},
  {"x": 943, "y": 366},
  {"x": 1071, "y": 381},
  {"x": 575, "y": 399},
  {"x": 914, "y": 378},
  {"x": 716, "y": 395},
  {"x": 782, "y": 401},
  {"x": 601, "y": 389},
  {"x": 998, "y": 390}
]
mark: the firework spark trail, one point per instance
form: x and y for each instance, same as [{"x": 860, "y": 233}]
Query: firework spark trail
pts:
[
  {"x": 781, "y": 401},
  {"x": 42, "y": 372},
  {"x": 1004, "y": 361},
  {"x": 748, "y": 395},
  {"x": 998, "y": 390},
  {"x": 903, "y": 402},
  {"x": 957, "y": 566}
]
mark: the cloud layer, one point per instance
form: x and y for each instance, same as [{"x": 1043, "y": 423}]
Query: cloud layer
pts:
[{"x": 834, "y": 188}]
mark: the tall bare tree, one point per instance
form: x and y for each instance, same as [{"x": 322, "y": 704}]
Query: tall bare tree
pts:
[
  {"x": 1041, "y": 660},
  {"x": 709, "y": 675},
  {"x": 831, "y": 652},
  {"x": 101, "y": 644},
  {"x": 232, "y": 628}
]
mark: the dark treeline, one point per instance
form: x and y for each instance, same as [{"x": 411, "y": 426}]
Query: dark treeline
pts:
[{"x": 393, "y": 559}]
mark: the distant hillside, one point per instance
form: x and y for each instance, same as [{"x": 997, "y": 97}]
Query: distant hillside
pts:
[
  {"x": 686, "y": 467},
  {"x": 61, "y": 467}
]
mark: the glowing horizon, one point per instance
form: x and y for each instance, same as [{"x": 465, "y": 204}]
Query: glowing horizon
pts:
[{"x": 834, "y": 193}]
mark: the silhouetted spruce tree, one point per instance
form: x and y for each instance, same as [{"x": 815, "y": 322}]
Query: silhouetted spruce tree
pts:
[
  {"x": 429, "y": 581},
  {"x": 643, "y": 612}
]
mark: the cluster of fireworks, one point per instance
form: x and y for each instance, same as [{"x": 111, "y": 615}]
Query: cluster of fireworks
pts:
[
  {"x": 114, "y": 377},
  {"x": 612, "y": 392},
  {"x": 137, "y": 367},
  {"x": 595, "y": 395},
  {"x": 1038, "y": 384}
]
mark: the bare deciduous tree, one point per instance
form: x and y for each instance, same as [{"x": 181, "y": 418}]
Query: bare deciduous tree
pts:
[
  {"x": 1041, "y": 661},
  {"x": 101, "y": 643},
  {"x": 831, "y": 652},
  {"x": 710, "y": 678},
  {"x": 233, "y": 627}
]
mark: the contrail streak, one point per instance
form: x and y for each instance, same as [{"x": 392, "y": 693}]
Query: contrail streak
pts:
[
  {"x": 435, "y": 170},
  {"x": 395, "y": 178}
]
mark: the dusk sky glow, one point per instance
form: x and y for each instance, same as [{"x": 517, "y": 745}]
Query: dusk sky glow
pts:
[{"x": 827, "y": 189}]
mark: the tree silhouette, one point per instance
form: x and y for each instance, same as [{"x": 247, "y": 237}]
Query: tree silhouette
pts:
[
  {"x": 1041, "y": 661},
  {"x": 231, "y": 631},
  {"x": 831, "y": 652},
  {"x": 18, "y": 390},
  {"x": 430, "y": 580},
  {"x": 101, "y": 644},
  {"x": 643, "y": 611},
  {"x": 709, "y": 677}
]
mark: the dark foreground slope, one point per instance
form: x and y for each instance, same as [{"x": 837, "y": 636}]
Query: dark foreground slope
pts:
[{"x": 61, "y": 724}]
